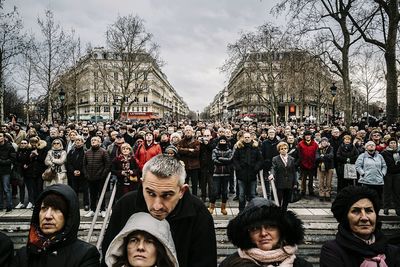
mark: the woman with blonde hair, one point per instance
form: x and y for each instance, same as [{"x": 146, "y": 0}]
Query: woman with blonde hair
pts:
[{"x": 56, "y": 158}]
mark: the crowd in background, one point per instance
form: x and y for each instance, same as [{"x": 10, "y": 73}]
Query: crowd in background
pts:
[{"x": 220, "y": 158}]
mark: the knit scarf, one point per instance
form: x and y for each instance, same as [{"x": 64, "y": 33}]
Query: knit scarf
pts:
[
  {"x": 39, "y": 241},
  {"x": 283, "y": 256}
]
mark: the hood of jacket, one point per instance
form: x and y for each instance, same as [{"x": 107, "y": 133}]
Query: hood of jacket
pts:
[
  {"x": 144, "y": 222},
  {"x": 41, "y": 144},
  {"x": 71, "y": 227}
]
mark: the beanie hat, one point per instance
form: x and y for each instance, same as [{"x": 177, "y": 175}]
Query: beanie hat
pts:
[
  {"x": 171, "y": 148},
  {"x": 347, "y": 197},
  {"x": 307, "y": 132},
  {"x": 390, "y": 140},
  {"x": 324, "y": 139}
]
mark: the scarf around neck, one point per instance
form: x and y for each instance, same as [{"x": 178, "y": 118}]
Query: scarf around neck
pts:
[{"x": 283, "y": 256}]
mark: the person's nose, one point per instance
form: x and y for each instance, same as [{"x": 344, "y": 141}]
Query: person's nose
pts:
[
  {"x": 364, "y": 216},
  {"x": 49, "y": 213},
  {"x": 141, "y": 246},
  {"x": 157, "y": 203},
  {"x": 264, "y": 231}
]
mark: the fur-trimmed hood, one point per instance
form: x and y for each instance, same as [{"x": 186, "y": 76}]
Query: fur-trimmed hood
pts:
[
  {"x": 241, "y": 143},
  {"x": 41, "y": 144},
  {"x": 261, "y": 211}
]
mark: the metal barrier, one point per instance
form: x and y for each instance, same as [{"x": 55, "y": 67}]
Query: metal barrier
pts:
[
  {"x": 96, "y": 214},
  {"x": 272, "y": 182}
]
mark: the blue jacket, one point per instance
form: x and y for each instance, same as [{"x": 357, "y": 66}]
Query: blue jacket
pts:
[{"x": 372, "y": 168}]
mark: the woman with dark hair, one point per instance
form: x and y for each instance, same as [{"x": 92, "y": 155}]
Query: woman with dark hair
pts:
[
  {"x": 144, "y": 241},
  {"x": 359, "y": 241},
  {"x": 265, "y": 236}
]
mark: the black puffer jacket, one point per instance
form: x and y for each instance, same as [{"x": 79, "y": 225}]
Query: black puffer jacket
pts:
[
  {"x": 247, "y": 161},
  {"x": 393, "y": 167},
  {"x": 7, "y": 157},
  {"x": 68, "y": 250},
  {"x": 222, "y": 159}
]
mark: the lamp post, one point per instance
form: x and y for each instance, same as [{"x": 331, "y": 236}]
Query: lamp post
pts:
[
  {"x": 61, "y": 95},
  {"x": 333, "y": 92}
]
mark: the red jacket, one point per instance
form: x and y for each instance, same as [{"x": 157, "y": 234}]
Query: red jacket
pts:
[
  {"x": 307, "y": 154},
  {"x": 145, "y": 153}
]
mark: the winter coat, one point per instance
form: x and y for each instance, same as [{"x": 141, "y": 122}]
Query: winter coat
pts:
[
  {"x": 247, "y": 161},
  {"x": 142, "y": 221},
  {"x": 65, "y": 250},
  {"x": 268, "y": 151},
  {"x": 96, "y": 164},
  {"x": 372, "y": 169},
  {"x": 284, "y": 176},
  {"x": 144, "y": 153},
  {"x": 190, "y": 158},
  {"x": 234, "y": 260},
  {"x": 7, "y": 157},
  {"x": 347, "y": 152},
  {"x": 36, "y": 166},
  {"x": 349, "y": 251},
  {"x": 307, "y": 154},
  {"x": 56, "y": 159},
  {"x": 222, "y": 160},
  {"x": 393, "y": 167},
  {"x": 192, "y": 227},
  {"x": 324, "y": 155},
  {"x": 23, "y": 160},
  {"x": 75, "y": 159},
  {"x": 206, "y": 156},
  {"x": 119, "y": 164}
]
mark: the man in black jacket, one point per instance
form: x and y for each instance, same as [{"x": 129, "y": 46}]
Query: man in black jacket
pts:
[
  {"x": 7, "y": 158},
  {"x": 164, "y": 194}
]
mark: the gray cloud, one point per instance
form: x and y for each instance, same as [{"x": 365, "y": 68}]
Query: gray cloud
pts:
[{"x": 192, "y": 34}]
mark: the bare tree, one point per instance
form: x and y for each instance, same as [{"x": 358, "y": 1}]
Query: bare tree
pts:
[
  {"x": 52, "y": 53},
  {"x": 131, "y": 57},
  {"x": 378, "y": 24},
  {"x": 24, "y": 77},
  {"x": 11, "y": 44},
  {"x": 328, "y": 21},
  {"x": 368, "y": 76}
]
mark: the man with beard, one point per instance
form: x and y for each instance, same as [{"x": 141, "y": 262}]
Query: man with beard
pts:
[
  {"x": 189, "y": 152},
  {"x": 96, "y": 166}
]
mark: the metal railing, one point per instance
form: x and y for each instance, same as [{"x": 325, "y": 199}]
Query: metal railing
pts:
[
  {"x": 108, "y": 212},
  {"x": 264, "y": 191}
]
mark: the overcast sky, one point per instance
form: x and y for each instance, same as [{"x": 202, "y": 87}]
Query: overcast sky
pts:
[{"x": 192, "y": 34}]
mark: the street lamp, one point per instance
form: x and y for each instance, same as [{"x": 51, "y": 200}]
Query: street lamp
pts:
[
  {"x": 61, "y": 95},
  {"x": 333, "y": 92}
]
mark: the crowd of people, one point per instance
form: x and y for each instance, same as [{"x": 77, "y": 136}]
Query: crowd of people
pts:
[{"x": 169, "y": 176}]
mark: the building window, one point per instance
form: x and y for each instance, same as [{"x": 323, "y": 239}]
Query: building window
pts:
[
  {"x": 137, "y": 109},
  {"x": 96, "y": 74},
  {"x": 116, "y": 76},
  {"x": 126, "y": 99},
  {"x": 106, "y": 109},
  {"x": 105, "y": 98},
  {"x": 96, "y": 98},
  {"x": 146, "y": 109},
  {"x": 97, "y": 109},
  {"x": 145, "y": 99}
]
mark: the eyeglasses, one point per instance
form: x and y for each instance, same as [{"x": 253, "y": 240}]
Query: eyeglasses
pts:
[
  {"x": 376, "y": 135},
  {"x": 125, "y": 148},
  {"x": 56, "y": 143},
  {"x": 257, "y": 229}
]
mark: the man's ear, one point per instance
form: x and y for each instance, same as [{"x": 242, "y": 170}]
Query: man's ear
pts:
[{"x": 184, "y": 188}]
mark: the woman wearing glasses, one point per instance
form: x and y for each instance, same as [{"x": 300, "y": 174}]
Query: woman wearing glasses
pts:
[
  {"x": 265, "y": 236},
  {"x": 55, "y": 159},
  {"x": 125, "y": 168}
]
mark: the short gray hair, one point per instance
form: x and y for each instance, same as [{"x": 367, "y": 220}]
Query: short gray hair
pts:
[{"x": 164, "y": 166}]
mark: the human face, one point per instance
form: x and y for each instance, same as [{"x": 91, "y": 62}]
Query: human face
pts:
[
  {"x": 51, "y": 220},
  {"x": 126, "y": 149},
  {"x": 57, "y": 144},
  {"x": 271, "y": 135},
  {"x": 393, "y": 145},
  {"x": 72, "y": 136},
  {"x": 78, "y": 143},
  {"x": 141, "y": 251},
  {"x": 283, "y": 150},
  {"x": 161, "y": 195},
  {"x": 149, "y": 137},
  {"x": 247, "y": 137},
  {"x": 265, "y": 237},
  {"x": 347, "y": 141},
  {"x": 362, "y": 218},
  {"x": 307, "y": 137},
  {"x": 95, "y": 142},
  {"x": 376, "y": 136},
  {"x": 290, "y": 139}
]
